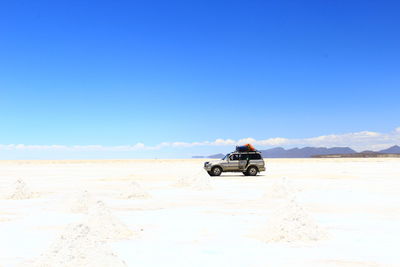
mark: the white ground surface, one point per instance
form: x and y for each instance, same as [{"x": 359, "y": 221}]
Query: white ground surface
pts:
[{"x": 357, "y": 201}]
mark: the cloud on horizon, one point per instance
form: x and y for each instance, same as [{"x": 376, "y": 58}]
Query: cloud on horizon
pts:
[{"x": 364, "y": 140}]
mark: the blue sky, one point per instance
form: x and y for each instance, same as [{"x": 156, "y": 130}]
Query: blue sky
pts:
[{"x": 119, "y": 73}]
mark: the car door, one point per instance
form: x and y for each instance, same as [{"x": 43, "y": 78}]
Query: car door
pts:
[
  {"x": 244, "y": 159},
  {"x": 233, "y": 162},
  {"x": 257, "y": 160}
]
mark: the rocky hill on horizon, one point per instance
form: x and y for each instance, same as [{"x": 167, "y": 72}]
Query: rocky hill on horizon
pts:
[{"x": 391, "y": 150}]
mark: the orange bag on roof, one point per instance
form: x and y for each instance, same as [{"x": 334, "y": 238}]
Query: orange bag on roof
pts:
[
  {"x": 245, "y": 148},
  {"x": 250, "y": 147}
]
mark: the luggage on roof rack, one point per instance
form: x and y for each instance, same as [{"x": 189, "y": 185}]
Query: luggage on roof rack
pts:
[{"x": 245, "y": 148}]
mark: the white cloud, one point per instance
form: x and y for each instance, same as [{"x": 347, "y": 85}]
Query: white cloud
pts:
[
  {"x": 222, "y": 142},
  {"x": 273, "y": 142},
  {"x": 365, "y": 140}
]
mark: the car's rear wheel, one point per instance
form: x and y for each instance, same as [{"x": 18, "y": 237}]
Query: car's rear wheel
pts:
[
  {"x": 252, "y": 171},
  {"x": 216, "y": 171},
  {"x": 245, "y": 173}
]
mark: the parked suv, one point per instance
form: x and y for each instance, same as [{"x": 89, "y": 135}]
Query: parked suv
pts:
[{"x": 249, "y": 163}]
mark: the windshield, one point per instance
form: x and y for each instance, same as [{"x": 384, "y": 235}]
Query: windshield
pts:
[{"x": 224, "y": 158}]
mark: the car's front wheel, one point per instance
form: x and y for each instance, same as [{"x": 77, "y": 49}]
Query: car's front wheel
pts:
[
  {"x": 252, "y": 171},
  {"x": 216, "y": 171}
]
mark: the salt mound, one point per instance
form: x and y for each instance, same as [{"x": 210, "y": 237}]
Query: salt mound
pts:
[
  {"x": 80, "y": 202},
  {"x": 78, "y": 247},
  {"x": 134, "y": 190},
  {"x": 291, "y": 223},
  {"x": 21, "y": 191},
  {"x": 198, "y": 181},
  {"x": 185, "y": 181},
  {"x": 105, "y": 225},
  {"x": 280, "y": 189}
]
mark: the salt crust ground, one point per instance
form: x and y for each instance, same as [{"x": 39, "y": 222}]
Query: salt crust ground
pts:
[
  {"x": 346, "y": 214},
  {"x": 281, "y": 188},
  {"x": 291, "y": 223}
]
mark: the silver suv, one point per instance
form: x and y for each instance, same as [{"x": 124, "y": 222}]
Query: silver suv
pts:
[{"x": 249, "y": 163}]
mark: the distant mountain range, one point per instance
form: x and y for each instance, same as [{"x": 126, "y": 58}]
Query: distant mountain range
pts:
[
  {"x": 305, "y": 152},
  {"x": 308, "y": 152},
  {"x": 216, "y": 156}
]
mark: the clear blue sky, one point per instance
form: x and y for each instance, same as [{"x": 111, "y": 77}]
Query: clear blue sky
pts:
[{"x": 121, "y": 72}]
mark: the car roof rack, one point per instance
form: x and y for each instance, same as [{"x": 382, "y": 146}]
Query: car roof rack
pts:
[{"x": 255, "y": 151}]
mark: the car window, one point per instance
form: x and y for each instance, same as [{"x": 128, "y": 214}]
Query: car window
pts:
[
  {"x": 234, "y": 157},
  {"x": 255, "y": 156},
  {"x": 244, "y": 156}
]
